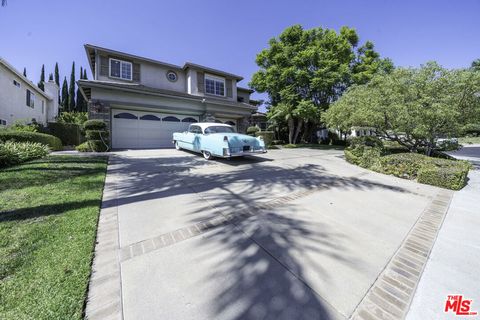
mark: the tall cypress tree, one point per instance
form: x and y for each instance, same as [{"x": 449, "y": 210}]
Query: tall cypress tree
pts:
[
  {"x": 24, "y": 72},
  {"x": 71, "y": 90},
  {"x": 57, "y": 75},
  {"x": 57, "y": 81},
  {"x": 80, "y": 100},
  {"x": 85, "y": 74},
  {"x": 65, "y": 99},
  {"x": 50, "y": 77},
  {"x": 42, "y": 79}
]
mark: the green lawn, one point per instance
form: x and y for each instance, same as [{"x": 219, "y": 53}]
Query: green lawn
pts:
[
  {"x": 48, "y": 218},
  {"x": 469, "y": 140}
]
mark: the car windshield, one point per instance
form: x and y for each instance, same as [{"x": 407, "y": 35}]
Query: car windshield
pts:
[{"x": 219, "y": 129}]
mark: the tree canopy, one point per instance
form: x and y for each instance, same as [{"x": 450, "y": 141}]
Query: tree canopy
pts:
[
  {"x": 303, "y": 71},
  {"x": 414, "y": 107}
]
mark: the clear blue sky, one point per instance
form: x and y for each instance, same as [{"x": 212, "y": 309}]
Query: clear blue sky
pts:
[{"x": 228, "y": 34}]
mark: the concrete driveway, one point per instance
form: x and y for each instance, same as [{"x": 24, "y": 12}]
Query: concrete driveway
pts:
[{"x": 292, "y": 234}]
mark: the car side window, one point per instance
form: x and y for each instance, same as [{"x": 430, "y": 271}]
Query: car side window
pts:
[{"x": 195, "y": 129}]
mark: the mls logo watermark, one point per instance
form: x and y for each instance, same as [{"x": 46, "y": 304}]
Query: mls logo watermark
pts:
[{"x": 459, "y": 306}]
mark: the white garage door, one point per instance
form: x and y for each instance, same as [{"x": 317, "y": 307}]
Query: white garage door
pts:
[{"x": 140, "y": 129}]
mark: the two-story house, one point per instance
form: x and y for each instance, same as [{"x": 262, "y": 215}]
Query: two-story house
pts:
[
  {"x": 21, "y": 100},
  {"x": 144, "y": 101}
]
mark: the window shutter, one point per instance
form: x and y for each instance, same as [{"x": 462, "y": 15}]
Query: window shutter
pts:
[
  {"x": 136, "y": 72},
  {"x": 200, "y": 81},
  {"x": 103, "y": 66},
  {"x": 228, "y": 84}
]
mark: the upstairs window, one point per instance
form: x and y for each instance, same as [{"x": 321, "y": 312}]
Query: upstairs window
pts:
[
  {"x": 30, "y": 99},
  {"x": 16, "y": 83},
  {"x": 214, "y": 85},
  {"x": 120, "y": 69}
]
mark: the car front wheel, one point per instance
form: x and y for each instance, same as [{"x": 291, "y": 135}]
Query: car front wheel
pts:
[{"x": 207, "y": 155}]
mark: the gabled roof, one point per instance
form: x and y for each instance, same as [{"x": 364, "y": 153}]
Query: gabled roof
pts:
[
  {"x": 21, "y": 76},
  {"x": 90, "y": 50}
]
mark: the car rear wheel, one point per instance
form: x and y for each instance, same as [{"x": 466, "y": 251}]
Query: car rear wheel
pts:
[
  {"x": 207, "y": 155},
  {"x": 177, "y": 146}
]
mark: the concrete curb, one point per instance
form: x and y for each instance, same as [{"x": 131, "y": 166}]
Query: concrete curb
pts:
[{"x": 389, "y": 298}]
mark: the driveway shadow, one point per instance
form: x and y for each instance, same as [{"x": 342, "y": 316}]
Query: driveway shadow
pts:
[{"x": 271, "y": 249}]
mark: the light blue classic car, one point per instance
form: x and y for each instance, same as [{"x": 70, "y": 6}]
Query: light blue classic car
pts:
[{"x": 217, "y": 140}]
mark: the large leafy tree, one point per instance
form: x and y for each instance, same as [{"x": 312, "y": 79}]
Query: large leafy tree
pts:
[
  {"x": 411, "y": 106},
  {"x": 304, "y": 71}
]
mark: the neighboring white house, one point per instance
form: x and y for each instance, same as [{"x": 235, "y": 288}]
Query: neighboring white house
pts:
[
  {"x": 22, "y": 100},
  {"x": 144, "y": 100}
]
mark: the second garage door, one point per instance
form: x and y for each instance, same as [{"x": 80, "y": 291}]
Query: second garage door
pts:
[{"x": 141, "y": 129}]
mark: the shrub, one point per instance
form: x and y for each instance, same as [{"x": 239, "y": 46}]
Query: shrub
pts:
[
  {"x": 369, "y": 141},
  {"x": 96, "y": 135},
  {"x": 92, "y": 146},
  {"x": 52, "y": 142},
  {"x": 278, "y": 142},
  {"x": 394, "y": 147},
  {"x": 94, "y": 125},
  {"x": 364, "y": 156},
  {"x": 403, "y": 165},
  {"x": 252, "y": 130},
  {"x": 451, "y": 177},
  {"x": 69, "y": 133},
  {"x": 78, "y": 118},
  {"x": 351, "y": 157},
  {"x": 267, "y": 136},
  {"x": 12, "y": 153},
  {"x": 23, "y": 126},
  {"x": 471, "y": 130},
  {"x": 83, "y": 147}
]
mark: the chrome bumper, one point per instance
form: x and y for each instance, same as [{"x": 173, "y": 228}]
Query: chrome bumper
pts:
[{"x": 228, "y": 153}]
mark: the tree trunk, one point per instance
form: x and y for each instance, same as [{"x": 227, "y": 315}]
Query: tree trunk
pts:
[
  {"x": 297, "y": 132},
  {"x": 291, "y": 129}
]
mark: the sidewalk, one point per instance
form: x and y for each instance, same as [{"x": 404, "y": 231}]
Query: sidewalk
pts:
[{"x": 453, "y": 266}]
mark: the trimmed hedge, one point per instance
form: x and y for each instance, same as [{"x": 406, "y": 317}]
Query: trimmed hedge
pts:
[
  {"x": 403, "y": 165},
  {"x": 267, "y": 136},
  {"x": 251, "y": 131},
  {"x": 451, "y": 177},
  {"x": 12, "y": 153},
  {"x": 52, "y": 142},
  {"x": 94, "y": 125},
  {"x": 96, "y": 135},
  {"x": 69, "y": 133},
  {"x": 444, "y": 173}
]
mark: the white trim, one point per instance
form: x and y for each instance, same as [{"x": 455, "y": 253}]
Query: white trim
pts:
[
  {"x": 120, "y": 61},
  {"x": 217, "y": 79}
]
